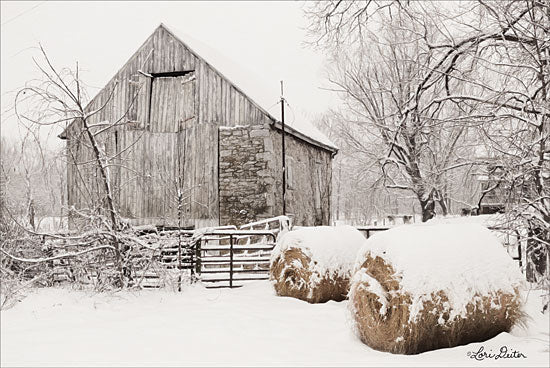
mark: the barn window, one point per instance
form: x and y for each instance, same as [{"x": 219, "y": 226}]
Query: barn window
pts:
[{"x": 171, "y": 102}]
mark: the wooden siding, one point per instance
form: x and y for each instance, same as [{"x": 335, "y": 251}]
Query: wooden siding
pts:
[
  {"x": 309, "y": 180},
  {"x": 158, "y": 166},
  {"x": 198, "y": 166}
]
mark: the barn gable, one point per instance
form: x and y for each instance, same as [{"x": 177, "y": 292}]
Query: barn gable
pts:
[{"x": 165, "y": 53}]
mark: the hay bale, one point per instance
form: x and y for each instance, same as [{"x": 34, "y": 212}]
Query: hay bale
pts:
[
  {"x": 422, "y": 287},
  {"x": 315, "y": 263}
]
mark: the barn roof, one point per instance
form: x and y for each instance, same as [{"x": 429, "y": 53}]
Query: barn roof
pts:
[
  {"x": 245, "y": 81},
  {"x": 251, "y": 87}
]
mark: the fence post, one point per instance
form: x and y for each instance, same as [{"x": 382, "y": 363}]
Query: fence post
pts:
[
  {"x": 179, "y": 249},
  {"x": 230, "y": 261},
  {"x": 518, "y": 237},
  {"x": 198, "y": 257}
]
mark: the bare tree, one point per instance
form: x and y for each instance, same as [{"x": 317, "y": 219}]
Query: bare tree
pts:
[
  {"x": 490, "y": 59},
  {"x": 360, "y": 196},
  {"x": 59, "y": 100},
  {"x": 390, "y": 114},
  {"x": 516, "y": 114}
]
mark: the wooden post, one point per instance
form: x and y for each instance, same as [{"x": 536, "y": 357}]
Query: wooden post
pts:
[
  {"x": 230, "y": 261},
  {"x": 283, "y": 148},
  {"x": 198, "y": 257},
  {"x": 179, "y": 249},
  {"x": 519, "y": 249}
]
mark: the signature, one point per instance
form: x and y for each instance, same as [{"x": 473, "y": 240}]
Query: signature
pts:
[{"x": 503, "y": 353}]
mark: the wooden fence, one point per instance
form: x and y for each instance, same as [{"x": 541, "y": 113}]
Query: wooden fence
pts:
[{"x": 219, "y": 257}]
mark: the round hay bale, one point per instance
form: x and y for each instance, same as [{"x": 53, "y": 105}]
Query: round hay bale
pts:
[
  {"x": 315, "y": 264},
  {"x": 420, "y": 288}
]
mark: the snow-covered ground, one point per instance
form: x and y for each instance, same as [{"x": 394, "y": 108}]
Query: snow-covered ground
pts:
[{"x": 245, "y": 326}]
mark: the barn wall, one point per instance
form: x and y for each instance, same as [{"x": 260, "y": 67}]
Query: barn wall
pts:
[
  {"x": 220, "y": 102},
  {"x": 246, "y": 181},
  {"x": 160, "y": 167},
  {"x": 309, "y": 180}
]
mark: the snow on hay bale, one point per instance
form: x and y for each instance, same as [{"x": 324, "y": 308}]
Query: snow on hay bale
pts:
[
  {"x": 423, "y": 287},
  {"x": 315, "y": 263}
]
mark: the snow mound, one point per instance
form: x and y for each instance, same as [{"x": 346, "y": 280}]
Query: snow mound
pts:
[
  {"x": 464, "y": 261},
  {"x": 332, "y": 249}
]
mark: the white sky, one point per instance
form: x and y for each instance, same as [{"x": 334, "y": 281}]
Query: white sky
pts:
[{"x": 265, "y": 38}]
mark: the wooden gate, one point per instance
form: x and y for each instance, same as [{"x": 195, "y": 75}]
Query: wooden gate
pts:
[
  {"x": 230, "y": 258},
  {"x": 223, "y": 256}
]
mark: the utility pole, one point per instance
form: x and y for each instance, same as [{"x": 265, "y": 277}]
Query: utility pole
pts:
[{"x": 283, "y": 147}]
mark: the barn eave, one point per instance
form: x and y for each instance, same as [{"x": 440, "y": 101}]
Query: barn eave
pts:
[{"x": 304, "y": 137}]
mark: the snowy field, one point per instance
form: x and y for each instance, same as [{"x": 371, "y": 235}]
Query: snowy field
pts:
[{"x": 249, "y": 326}]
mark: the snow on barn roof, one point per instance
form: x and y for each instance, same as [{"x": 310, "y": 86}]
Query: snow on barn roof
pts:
[{"x": 248, "y": 83}]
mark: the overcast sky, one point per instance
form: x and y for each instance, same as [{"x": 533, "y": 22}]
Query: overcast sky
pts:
[{"x": 264, "y": 38}]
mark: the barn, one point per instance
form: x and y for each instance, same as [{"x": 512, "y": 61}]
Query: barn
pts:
[{"x": 186, "y": 146}]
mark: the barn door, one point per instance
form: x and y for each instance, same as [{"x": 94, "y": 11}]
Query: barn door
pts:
[
  {"x": 185, "y": 97},
  {"x": 172, "y": 103}
]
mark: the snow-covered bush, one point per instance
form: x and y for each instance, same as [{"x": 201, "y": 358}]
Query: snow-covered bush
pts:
[
  {"x": 16, "y": 278},
  {"x": 424, "y": 287},
  {"x": 315, "y": 263}
]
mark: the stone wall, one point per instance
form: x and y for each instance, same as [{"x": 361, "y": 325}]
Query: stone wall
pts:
[{"x": 245, "y": 174}]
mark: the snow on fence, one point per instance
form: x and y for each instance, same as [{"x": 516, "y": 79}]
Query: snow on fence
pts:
[
  {"x": 275, "y": 224},
  {"x": 163, "y": 259},
  {"x": 511, "y": 240},
  {"x": 230, "y": 258}
]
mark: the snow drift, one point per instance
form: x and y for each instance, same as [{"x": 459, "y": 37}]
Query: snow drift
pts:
[
  {"x": 315, "y": 263},
  {"x": 423, "y": 287}
]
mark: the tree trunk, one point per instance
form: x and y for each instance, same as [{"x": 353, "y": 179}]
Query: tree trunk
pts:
[
  {"x": 427, "y": 207},
  {"x": 120, "y": 250},
  {"x": 443, "y": 202}
]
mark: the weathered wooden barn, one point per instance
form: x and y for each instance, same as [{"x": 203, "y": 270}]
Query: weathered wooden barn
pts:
[{"x": 181, "y": 135}]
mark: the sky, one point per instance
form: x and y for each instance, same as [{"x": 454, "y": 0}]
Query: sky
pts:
[{"x": 264, "y": 39}]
